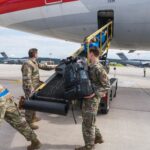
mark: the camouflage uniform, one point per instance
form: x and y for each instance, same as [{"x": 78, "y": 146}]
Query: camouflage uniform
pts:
[
  {"x": 9, "y": 112},
  {"x": 90, "y": 106},
  {"x": 31, "y": 81}
]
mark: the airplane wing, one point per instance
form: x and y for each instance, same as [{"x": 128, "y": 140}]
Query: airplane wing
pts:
[{"x": 122, "y": 56}]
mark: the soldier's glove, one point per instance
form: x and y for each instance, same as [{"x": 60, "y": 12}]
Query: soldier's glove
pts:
[
  {"x": 21, "y": 102},
  {"x": 90, "y": 96},
  {"x": 102, "y": 94}
]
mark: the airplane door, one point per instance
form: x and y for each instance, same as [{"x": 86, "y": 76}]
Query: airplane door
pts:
[
  {"x": 104, "y": 16},
  {"x": 53, "y": 1}
]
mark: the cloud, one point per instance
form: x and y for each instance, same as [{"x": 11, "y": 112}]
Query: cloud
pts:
[{"x": 18, "y": 44}]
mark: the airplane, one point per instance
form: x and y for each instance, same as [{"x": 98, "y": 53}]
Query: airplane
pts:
[
  {"x": 49, "y": 61},
  {"x": 8, "y": 60},
  {"x": 72, "y": 20},
  {"x": 133, "y": 62}
]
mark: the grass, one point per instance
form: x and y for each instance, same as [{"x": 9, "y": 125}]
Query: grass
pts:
[{"x": 116, "y": 65}]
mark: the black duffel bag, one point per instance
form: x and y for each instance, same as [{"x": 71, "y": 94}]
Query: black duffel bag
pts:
[{"x": 76, "y": 79}]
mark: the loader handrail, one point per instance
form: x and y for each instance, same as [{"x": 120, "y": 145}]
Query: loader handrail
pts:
[
  {"x": 99, "y": 31},
  {"x": 108, "y": 28},
  {"x": 103, "y": 46}
]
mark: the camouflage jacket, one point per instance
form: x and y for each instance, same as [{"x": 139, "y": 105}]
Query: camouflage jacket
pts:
[
  {"x": 99, "y": 77},
  {"x": 30, "y": 74},
  {"x": 4, "y": 95}
]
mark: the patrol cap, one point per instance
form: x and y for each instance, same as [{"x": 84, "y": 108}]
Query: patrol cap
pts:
[{"x": 32, "y": 52}]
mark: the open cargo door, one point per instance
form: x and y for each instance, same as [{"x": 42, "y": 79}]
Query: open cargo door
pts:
[{"x": 104, "y": 17}]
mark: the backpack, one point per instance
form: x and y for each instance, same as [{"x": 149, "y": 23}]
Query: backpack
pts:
[{"x": 76, "y": 79}]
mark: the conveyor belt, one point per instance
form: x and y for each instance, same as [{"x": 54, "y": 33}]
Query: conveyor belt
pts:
[{"x": 53, "y": 89}]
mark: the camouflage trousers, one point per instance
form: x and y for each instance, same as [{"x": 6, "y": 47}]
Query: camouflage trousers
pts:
[
  {"x": 89, "y": 113},
  {"x": 29, "y": 114},
  {"x": 9, "y": 112}
]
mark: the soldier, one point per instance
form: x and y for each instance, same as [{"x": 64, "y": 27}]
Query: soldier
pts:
[
  {"x": 100, "y": 81},
  {"x": 144, "y": 72},
  {"x": 9, "y": 112},
  {"x": 31, "y": 81}
]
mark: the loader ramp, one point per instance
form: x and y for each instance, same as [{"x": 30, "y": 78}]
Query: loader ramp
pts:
[
  {"x": 50, "y": 96},
  {"x": 53, "y": 89}
]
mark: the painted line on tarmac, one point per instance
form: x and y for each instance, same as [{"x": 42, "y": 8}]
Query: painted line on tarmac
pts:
[
  {"x": 11, "y": 80},
  {"x": 130, "y": 109}
]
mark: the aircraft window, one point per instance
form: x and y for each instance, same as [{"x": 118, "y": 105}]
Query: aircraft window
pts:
[
  {"x": 9, "y": 1},
  {"x": 53, "y": 1},
  {"x": 111, "y": 1}
]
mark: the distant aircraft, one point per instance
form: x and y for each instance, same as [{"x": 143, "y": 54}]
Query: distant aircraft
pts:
[
  {"x": 134, "y": 62},
  {"x": 49, "y": 60},
  {"x": 9, "y": 60}
]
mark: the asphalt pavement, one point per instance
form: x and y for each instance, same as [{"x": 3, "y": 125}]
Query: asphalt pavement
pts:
[{"x": 125, "y": 127}]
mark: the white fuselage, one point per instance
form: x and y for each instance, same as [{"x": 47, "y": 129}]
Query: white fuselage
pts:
[{"x": 72, "y": 21}]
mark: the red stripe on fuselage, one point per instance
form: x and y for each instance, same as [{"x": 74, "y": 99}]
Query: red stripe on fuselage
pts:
[{"x": 8, "y": 6}]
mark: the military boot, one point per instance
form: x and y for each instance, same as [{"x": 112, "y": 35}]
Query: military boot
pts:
[
  {"x": 35, "y": 144},
  {"x": 36, "y": 119},
  {"x": 89, "y": 147},
  {"x": 99, "y": 140},
  {"x": 34, "y": 127}
]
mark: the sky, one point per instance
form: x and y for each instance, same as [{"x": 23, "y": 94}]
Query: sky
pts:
[{"x": 17, "y": 43}]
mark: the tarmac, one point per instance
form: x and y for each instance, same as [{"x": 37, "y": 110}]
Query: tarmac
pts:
[{"x": 125, "y": 127}]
